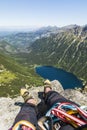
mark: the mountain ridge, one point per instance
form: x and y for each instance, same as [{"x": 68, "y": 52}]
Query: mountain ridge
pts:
[
  {"x": 67, "y": 49},
  {"x": 64, "y": 48}
]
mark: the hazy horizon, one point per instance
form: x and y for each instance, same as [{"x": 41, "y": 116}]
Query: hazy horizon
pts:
[{"x": 30, "y": 28}]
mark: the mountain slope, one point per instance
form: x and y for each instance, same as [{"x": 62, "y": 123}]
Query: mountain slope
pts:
[
  {"x": 13, "y": 76},
  {"x": 66, "y": 49},
  {"x": 6, "y": 47},
  {"x": 23, "y": 39}
]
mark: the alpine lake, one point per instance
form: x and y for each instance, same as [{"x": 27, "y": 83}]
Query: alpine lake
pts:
[{"x": 67, "y": 79}]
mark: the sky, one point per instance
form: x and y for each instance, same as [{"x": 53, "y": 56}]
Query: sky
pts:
[{"x": 37, "y": 13}]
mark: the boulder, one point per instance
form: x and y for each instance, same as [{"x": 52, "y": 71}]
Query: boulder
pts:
[
  {"x": 76, "y": 96},
  {"x": 9, "y": 107}
]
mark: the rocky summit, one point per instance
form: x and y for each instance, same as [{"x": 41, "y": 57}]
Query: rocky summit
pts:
[{"x": 9, "y": 107}]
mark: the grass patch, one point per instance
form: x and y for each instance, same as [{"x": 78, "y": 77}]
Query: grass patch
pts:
[{"x": 6, "y": 77}]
